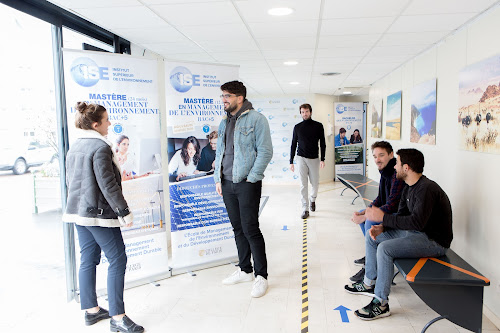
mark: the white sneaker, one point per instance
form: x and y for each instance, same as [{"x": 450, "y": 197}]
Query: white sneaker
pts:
[
  {"x": 259, "y": 287},
  {"x": 238, "y": 277}
]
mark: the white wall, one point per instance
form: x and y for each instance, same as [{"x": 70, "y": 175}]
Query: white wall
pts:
[
  {"x": 471, "y": 180},
  {"x": 323, "y": 112}
]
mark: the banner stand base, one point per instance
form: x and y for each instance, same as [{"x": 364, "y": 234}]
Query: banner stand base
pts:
[
  {"x": 153, "y": 279},
  {"x": 190, "y": 269}
]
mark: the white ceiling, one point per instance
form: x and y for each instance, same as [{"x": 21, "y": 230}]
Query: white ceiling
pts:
[{"x": 364, "y": 40}]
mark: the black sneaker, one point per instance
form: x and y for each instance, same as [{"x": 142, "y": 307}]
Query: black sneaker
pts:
[
  {"x": 358, "y": 277},
  {"x": 358, "y": 288},
  {"x": 374, "y": 310},
  {"x": 304, "y": 215},
  {"x": 125, "y": 325},
  {"x": 92, "y": 318},
  {"x": 360, "y": 262},
  {"x": 313, "y": 206}
]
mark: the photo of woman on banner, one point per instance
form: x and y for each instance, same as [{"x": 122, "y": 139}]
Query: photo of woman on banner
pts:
[
  {"x": 356, "y": 137},
  {"x": 185, "y": 160},
  {"x": 207, "y": 160},
  {"x": 126, "y": 159}
]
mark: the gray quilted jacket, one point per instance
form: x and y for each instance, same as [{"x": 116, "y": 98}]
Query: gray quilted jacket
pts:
[{"x": 93, "y": 179}]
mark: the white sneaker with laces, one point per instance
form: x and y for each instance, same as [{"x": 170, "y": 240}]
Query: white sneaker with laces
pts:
[
  {"x": 259, "y": 287},
  {"x": 238, "y": 277}
]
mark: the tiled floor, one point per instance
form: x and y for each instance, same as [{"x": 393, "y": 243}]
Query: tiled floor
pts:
[{"x": 35, "y": 299}]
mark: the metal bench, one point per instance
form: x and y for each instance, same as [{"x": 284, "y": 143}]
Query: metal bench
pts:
[
  {"x": 364, "y": 187},
  {"x": 449, "y": 286}
]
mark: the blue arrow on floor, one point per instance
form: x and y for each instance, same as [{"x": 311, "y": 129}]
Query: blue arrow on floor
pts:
[
  {"x": 285, "y": 228},
  {"x": 343, "y": 313}
]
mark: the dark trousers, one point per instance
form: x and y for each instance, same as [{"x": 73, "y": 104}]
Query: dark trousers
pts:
[
  {"x": 110, "y": 240},
  {"x": 242, "y": 202}
]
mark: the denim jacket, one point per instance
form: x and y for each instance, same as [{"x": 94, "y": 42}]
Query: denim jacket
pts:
[{"x": 253, "y": 148}]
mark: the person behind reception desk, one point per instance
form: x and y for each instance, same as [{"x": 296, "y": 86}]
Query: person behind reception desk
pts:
[
  {"x": 126, "y": 159},
  {"x": 207, "y": 160},
  {"x": 186, "y": 159},
  {"x": 356, "y": 137},
  {"x": 96, "y": 206},
  {"x": 340, "y": 139}
]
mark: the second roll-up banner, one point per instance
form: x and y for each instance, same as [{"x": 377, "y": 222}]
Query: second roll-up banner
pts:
[{"x": 201, "y": 231}]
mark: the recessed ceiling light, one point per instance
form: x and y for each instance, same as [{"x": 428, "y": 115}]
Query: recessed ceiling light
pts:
[
  {"x": 290, "y": 63},
  {"x": 347, "y": 92},
  {"x": 281, "y": 11},
  {"x": 294, "y": 82}
]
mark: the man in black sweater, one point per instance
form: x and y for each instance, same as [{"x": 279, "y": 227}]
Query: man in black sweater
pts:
[
  {"x": 421, "y": 228},
  {"x": 307, "y": 134}
]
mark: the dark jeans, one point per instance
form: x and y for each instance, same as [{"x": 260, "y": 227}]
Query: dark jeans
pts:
[
  {"x": 242, "y": 202},
  {"x": 92, "y": 240}
]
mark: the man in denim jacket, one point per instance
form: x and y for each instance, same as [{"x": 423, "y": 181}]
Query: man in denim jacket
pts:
[{"x": 244, "y": 149}]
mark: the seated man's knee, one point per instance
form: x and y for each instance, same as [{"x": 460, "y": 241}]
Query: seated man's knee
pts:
[
  {"x": 369, "y": 241},
  {"x": 385, "y": 249}
]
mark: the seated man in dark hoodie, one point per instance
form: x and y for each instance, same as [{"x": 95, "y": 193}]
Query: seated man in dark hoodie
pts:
[
  {"x": 421, "y": 228},
  {"x": 389, "y": 193}
]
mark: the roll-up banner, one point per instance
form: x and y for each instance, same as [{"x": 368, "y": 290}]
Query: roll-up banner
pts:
[
  {"x": 128, "y": 88},
  {"x": 282, "y": 114},
  {"x": 201, "y": 230},
  {"x": 349, "y": 156}
]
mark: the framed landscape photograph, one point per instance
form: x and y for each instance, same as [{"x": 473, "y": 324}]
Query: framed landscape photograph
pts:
[
  {"x": 393, "y": 122},
  {"x": 423, "y": 113}
]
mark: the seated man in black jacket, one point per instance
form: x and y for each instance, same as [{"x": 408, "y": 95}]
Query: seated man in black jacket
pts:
[{"x": 421, "y": 228}]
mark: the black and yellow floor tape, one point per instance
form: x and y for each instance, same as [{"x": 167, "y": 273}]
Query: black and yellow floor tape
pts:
[{"x": 304, "y": 327}]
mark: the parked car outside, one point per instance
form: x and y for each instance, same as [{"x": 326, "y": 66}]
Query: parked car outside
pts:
[{"x": 19, "y": 158}]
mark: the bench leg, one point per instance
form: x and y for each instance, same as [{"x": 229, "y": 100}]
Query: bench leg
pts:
[
  {"x": 357, "y": 196},
  {"x": 432, "y": 322},
  {"x": 341, "y": 193},
  {"x": 394, "y": 278}
]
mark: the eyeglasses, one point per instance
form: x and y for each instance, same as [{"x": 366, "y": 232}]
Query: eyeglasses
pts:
[{"x": 226, "y": 96}]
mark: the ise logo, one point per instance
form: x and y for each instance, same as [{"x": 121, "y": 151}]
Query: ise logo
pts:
[
  {"x": 341, "y": 109},
  {"x": 86, "y": 73},
  {"x": 182, "y": 79}
]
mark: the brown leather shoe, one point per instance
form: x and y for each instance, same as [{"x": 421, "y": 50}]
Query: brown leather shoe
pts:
[
  {"x": 313, "y": 206},
  {"x": 305, "y": 215}
]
